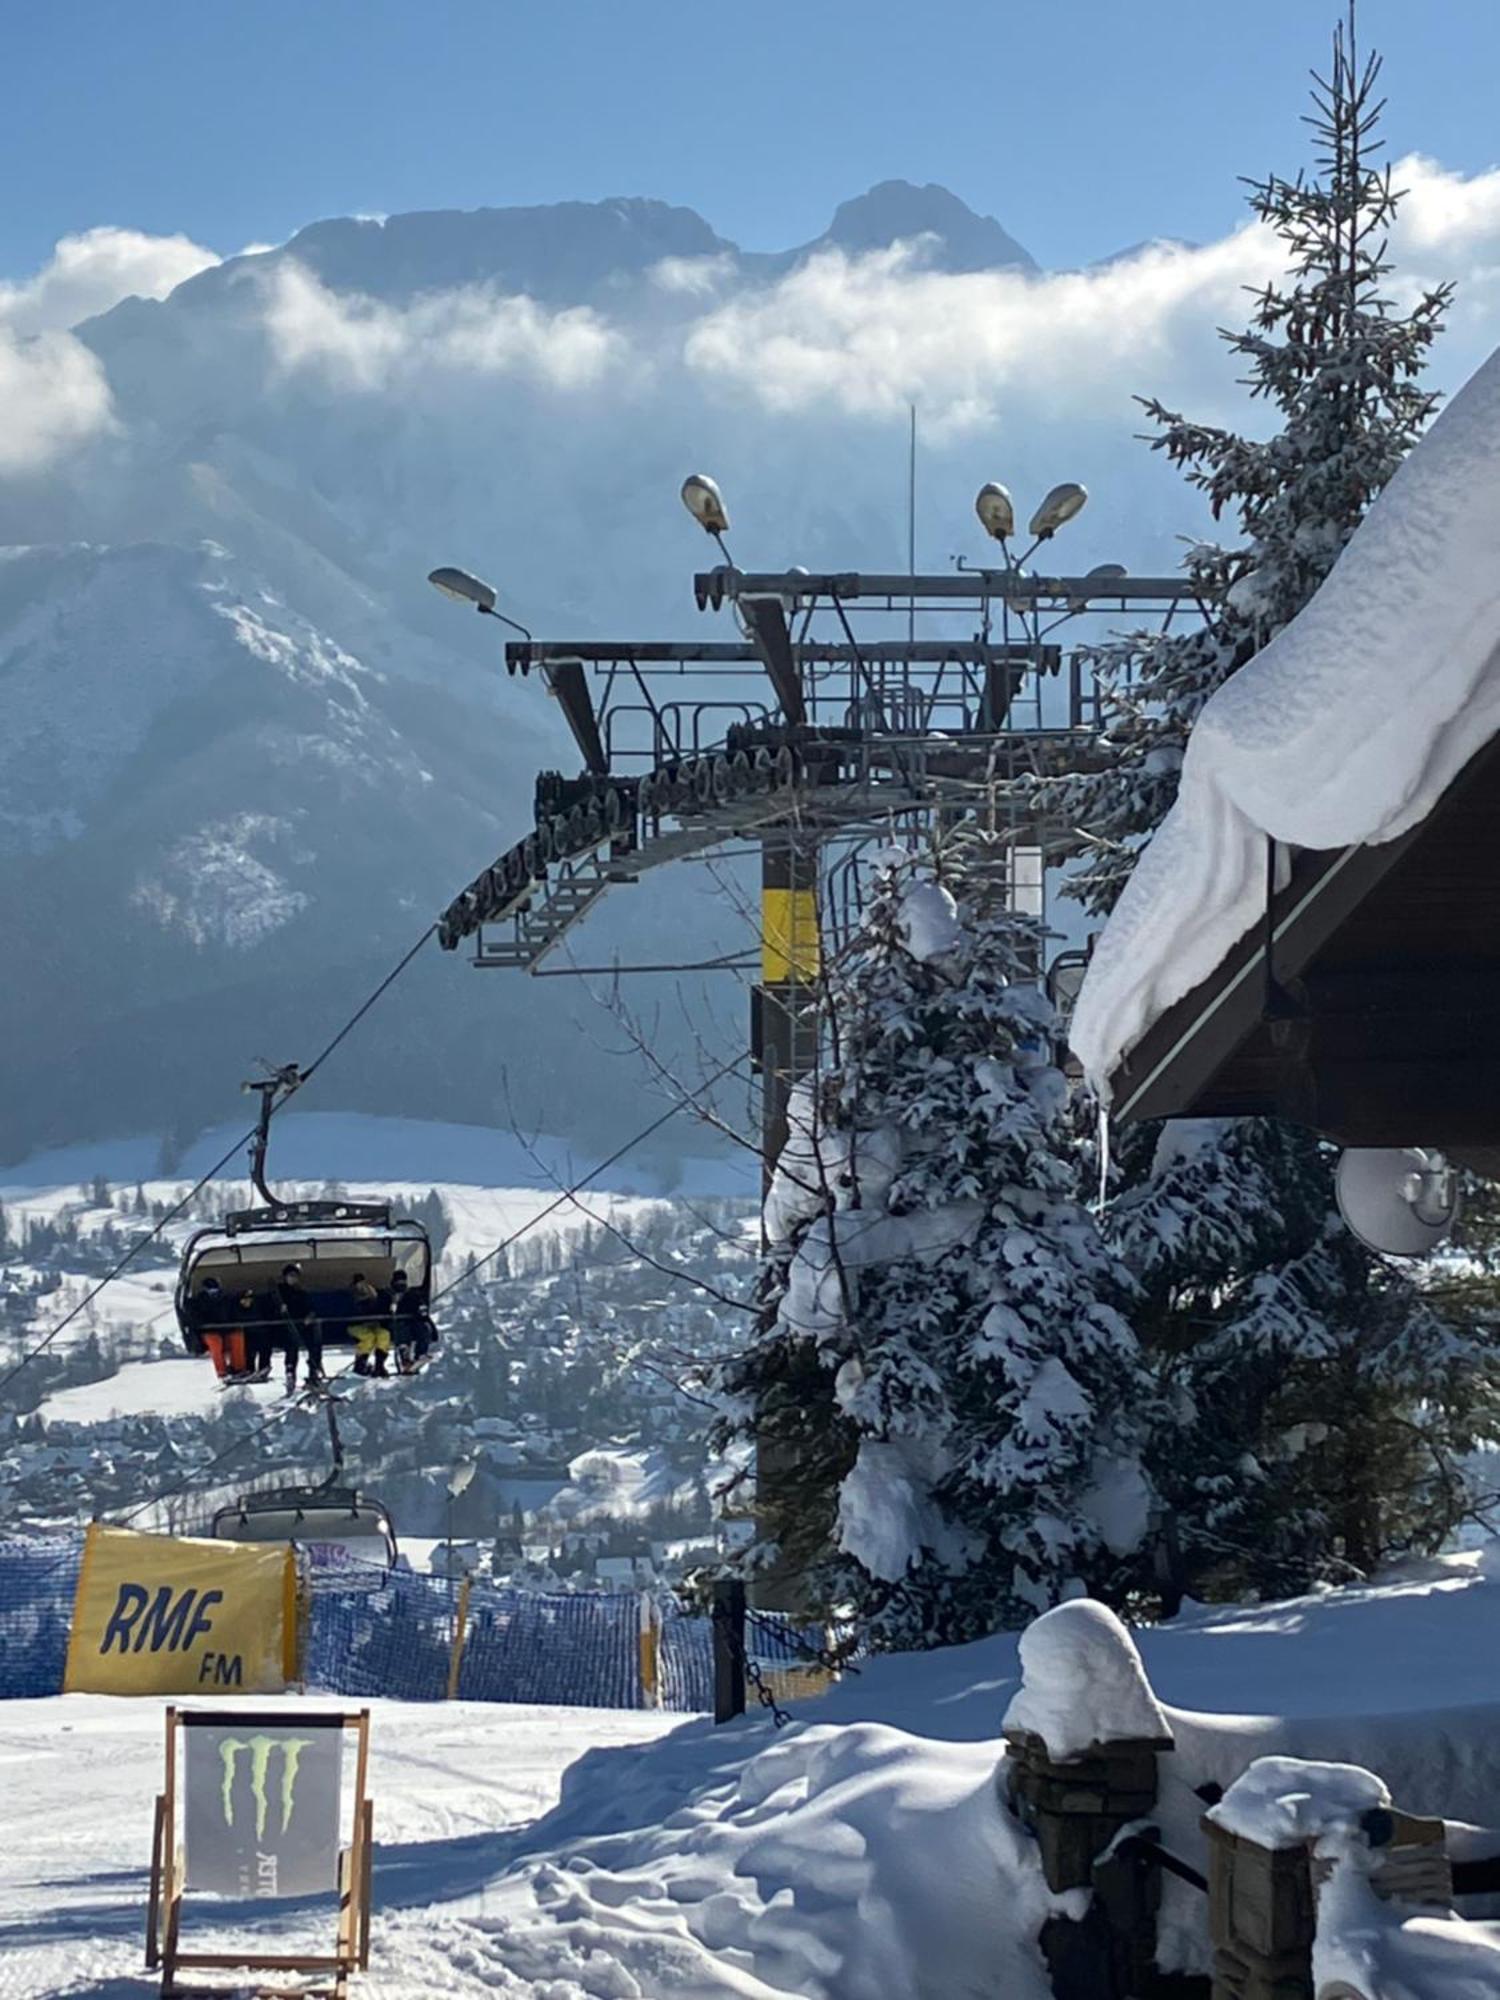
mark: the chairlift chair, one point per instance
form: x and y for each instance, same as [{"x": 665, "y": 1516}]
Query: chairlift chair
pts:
[
  {"x": 331, "y": 1240},
  {"x": 327, "y": 1516}
]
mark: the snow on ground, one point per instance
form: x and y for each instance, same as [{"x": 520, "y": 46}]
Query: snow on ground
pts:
[
  {"x": 861, "y": 1854},
  {"x": 1347, "y": 728},
  {"x": 450, "y": 1784},
  {"x": 141, "y": 1388}
]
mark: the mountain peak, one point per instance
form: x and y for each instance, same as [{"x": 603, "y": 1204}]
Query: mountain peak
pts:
[{"x": 895, "y": 211}]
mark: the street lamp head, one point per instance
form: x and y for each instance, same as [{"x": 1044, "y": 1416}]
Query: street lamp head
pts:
[
  {"x": 463, "y": 588},
  {"x": 704, "y": 501},
  {"x": 1059, "y": 507},
  {"x": 996, "y": 511}
]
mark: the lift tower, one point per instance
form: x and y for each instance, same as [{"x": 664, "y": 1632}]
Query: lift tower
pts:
[{"x": 853, "y": 707}]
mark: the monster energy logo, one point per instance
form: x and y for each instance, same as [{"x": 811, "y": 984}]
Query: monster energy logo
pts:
[{"x": 260, "y": 1749}]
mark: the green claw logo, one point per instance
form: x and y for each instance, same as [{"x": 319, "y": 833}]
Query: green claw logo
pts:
[{"x": 260, "y": 1748}]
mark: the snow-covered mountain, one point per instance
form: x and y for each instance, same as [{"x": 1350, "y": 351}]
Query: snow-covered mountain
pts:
[{"x": 246, "y": 753}]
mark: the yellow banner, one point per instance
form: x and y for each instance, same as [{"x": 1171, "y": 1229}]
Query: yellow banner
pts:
[
  {"x": 788, "y": 936},
  {"x": 157, "y": 1615}
]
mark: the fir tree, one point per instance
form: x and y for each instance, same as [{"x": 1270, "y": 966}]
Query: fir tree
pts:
[
  {"x": 947, "y": 1383},
  {"x": 1340, "y": 367},
  {"x": 1318, "y": 1401}
]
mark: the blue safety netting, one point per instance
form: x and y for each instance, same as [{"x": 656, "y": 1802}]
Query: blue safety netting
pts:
[
  {"x": 38, "y": 1576},
  {"x": 582, "y": 1649},
  {"x": 687, "y": 1660},
  {"x": 395, "y": 1638},
  {"x": 369, "y": 1631}
]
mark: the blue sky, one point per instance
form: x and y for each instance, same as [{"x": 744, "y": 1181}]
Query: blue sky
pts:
[{"x": 1082, "y": 124}]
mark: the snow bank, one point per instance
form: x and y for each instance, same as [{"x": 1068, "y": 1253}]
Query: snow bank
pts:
[
  {"x": 1347, "y": 728},
  {"x": 1082, "y": 1683},
  {"x": 1367, "y": 1947}
]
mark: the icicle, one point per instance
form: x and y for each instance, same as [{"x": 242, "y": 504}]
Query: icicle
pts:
[{"x": 1103, "y": 1150}]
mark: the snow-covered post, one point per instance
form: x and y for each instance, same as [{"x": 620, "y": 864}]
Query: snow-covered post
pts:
[
  {"x": 1083, "y": 1734},
  {"x": 1301, "y": 1856}
]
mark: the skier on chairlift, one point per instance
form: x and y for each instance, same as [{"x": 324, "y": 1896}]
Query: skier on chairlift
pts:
[
  {"x": 303, "y": 1329},
  {"x": 260, "y": 1329},
  {"x": 370, "y": 1327},
  {"x": 225, "y": 1341},
  {"x": 415, "y": 1333}
]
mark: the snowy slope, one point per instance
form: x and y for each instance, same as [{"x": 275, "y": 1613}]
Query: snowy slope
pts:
[
  {"x": 863, "y": 1854},
  {"x": 1347, "y": 728}
]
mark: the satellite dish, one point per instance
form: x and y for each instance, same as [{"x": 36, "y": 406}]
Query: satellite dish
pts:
[{"x": 1401, "y": 1200}]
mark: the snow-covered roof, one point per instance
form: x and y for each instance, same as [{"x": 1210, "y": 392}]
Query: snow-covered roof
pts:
[{"x": 1345, "y": 730}]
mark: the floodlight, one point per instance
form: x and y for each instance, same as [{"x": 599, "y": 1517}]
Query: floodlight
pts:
[
  {"x": 1059, "y": 507},
  {"x": 463, "y": 588},
  {"x": 704, "y": 501},
  {"x": 996, "y": 511}
]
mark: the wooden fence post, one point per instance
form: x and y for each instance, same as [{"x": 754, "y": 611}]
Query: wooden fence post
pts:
[
  {"x": 650, "y": 1651},
  {"x": 460, "y": 1631},
  {"x": 1263, "y": 1899},
  {"x": 1076, "y": 1785},
  {"x": 729, "y": 1648},
  {"x": 1076, "y": 1806}
]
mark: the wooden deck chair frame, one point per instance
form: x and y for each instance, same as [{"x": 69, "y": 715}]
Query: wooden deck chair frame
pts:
[{"x": 330, "y": 1973}]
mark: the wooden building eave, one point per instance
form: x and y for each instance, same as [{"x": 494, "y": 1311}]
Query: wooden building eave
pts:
[{"x": 1379, "y": 1022}]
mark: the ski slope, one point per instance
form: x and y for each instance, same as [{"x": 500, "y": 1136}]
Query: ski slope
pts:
[{"x": 861, "y": 1854}]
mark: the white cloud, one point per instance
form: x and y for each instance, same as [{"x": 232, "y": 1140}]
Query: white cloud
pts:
[
  {"x": 864, "y": 336},
  {"x": 360, "y": 343},
  {"x": 54, "y": 395},
  {"x": 869, "y": 335},
  {"x": 693, "y": 277},
  {"x": 91, "y": 272},
  {"x": 53, "y": 388}
]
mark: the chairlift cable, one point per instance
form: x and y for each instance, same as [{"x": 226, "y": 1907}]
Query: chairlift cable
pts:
[
  {"x": 199, "y": 1473},
  {"x": 117, "y": 1269},
  {"x": 570, "y": 1194}
]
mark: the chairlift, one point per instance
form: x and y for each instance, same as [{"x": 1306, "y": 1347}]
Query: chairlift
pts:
[
  {"x": 332, "y": 1241},
  {"x": 326, "y": 1516},
  {"x": 321, "y": 1516}
]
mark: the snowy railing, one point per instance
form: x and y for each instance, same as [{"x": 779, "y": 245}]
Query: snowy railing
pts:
[{"x": 1300, "y": 1879}]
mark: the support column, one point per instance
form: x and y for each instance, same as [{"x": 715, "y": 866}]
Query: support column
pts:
[
  {"x": 784, "y": 1046},
  {"x": 785, "y": 1029}
]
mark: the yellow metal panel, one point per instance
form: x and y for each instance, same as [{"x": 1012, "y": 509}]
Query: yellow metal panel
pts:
[
  {"x": 789, "y": 936},
  {"x": 157, "y": 1615}
]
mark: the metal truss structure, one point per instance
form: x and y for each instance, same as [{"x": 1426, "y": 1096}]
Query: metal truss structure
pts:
[{"x": 685, "y": 746}]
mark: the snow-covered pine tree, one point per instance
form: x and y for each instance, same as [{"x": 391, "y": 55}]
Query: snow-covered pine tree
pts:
[
  {"x": 951, "y": 1395},
  {"x": 1318, "y": 1403},
  {"x": 1340, "y": 368}
]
